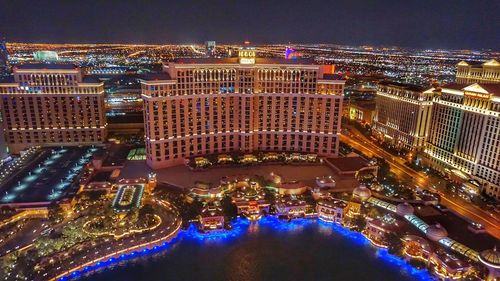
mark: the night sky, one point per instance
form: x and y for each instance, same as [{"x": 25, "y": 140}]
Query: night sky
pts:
[{"x": 460, "y": 24}]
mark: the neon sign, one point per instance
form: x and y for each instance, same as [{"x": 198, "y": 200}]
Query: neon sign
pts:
[{"x": 247, "y": 60}]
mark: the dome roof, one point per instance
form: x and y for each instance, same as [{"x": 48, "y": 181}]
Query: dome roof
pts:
[
  {"x": 404, "y": 209},
  {"x": 362, "y": 192},
  {"x": 490, "y": 257},
  {"x": 436, "y": 232}
]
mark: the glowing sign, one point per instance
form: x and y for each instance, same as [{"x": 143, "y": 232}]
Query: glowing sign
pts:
[
  {"x": 477, "y": 95},
  {"x": 247, "y": 55},
  {"x": 247, "y": 60}
]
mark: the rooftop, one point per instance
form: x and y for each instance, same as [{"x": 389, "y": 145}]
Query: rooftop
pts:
[
  {"x": 235, "y": 60},
  {"x": 451, "y": 261},
  {"x": 155, "y": 76},
  {"x": 57, "y": 66},
  {"x": 330, "y": 76},
  {"x": 348, "y": 164},
  {"x": 409, "y": 87},
  {"x": 385, "y": 224},
  {"x": 90, "y": 79},
  {"x": 332, "y": 203},
  {"x": 368, "y": 105},
  {"x": 493, "y": 89}
]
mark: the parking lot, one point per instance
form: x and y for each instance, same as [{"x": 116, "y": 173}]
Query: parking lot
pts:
[{"x": 49, "y": 177}]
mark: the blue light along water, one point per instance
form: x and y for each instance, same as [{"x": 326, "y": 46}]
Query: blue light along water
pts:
[{"x": 267, "y": 250}]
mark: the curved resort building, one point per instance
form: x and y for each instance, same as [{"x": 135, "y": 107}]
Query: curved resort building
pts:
[{"x": 244, "y": 104}]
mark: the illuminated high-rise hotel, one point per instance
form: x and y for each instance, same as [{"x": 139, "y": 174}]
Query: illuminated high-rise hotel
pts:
[
  {"x": 484, "y": 73},
  {"x": 403, "y": 114},
  {"x": 465, "y": 132},
  {"x": 245, "y": 103},
  {"x": 52, "y": 104}
]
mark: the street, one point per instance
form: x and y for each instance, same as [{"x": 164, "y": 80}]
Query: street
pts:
[{"x": 398, "y": 166}]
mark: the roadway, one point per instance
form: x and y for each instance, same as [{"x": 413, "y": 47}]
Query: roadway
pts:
[
  {"x": 110, "y": 246},
  {"x": 23, "y": 237},
  {"x": 470, "y": 211}
]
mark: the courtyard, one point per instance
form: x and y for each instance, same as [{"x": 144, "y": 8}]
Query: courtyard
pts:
[{"x": 184, "y": 177}]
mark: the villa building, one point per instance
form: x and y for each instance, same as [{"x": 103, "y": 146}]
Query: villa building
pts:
[
  {"x": 331, "y": 210},
  {"x": 291, "y": 207},
  {"x": 377, "y": 229},
  {"x": 449, "y": 267},
  {"x": 251, "y": 203},
  {"x": 211, "y": 218}
]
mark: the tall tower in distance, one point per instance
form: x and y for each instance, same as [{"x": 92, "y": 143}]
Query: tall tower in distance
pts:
[
  {"x": 210, "y": 48},
  {"x": 4, "y": 58},
  {"x": 4, "y": 71}
]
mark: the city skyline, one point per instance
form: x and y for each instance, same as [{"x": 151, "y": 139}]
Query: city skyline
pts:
[
  {"x": 417, "y": 24},
  {"x": 370, "y": 152}
]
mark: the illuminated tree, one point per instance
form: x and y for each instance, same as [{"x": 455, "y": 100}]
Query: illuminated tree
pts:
[{"x": 394, "y": 244}]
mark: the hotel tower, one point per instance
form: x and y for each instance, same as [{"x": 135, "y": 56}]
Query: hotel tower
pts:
[
  {"x": 484, "y": 73},
  {"x": 51, "y": 105},
  {"x": 245, "y": 103},
  {"x": 403, "y": 114},
  {"x": 464, "y": 132}
]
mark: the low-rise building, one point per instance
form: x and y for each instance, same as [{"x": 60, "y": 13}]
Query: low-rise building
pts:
[
  {"x": 211, "y": 218},
  {"x": 251, "y": 203},
  {"x": 291, "y": 207},
  {"x": 204, "y": 191},
  {"x": 362, "y": 112},
  {"x": 326, "y": 182},
  {"x": 449, "y": 267},
  {"x": 416, "y": 247},
  {"x": 331, "y": 210},
  {"x": 377, "y": 230}
]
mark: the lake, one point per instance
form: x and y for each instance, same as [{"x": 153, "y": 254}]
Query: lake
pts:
[{"x": 267, "y": 250}]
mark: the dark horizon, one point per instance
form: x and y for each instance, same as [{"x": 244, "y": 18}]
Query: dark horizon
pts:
[{"x": 432, "y": 24}]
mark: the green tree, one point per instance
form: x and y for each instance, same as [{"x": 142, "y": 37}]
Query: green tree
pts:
[
  {"x": 394, "y": 244},
  {"x": 55, "y": 214},
  {"x": 229, "y": 209},
  {"x": 373, "y": 212},
  {"x": 358, "y": 223}
]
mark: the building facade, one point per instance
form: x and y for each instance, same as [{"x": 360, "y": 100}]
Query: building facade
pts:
[
  {"x": 465, "y": 132},
  {"x": 245, "y": 103},
  {"x": 484, "y": 73},
  {"x": 4, "y": 154},
  {"x": 331, "y": 210},
  {"x": 362, "y": 112},
  {"x": 52, "y": 105},
  {"x": 403, "y": 114},
  {"x": 4, "y": 59}
]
